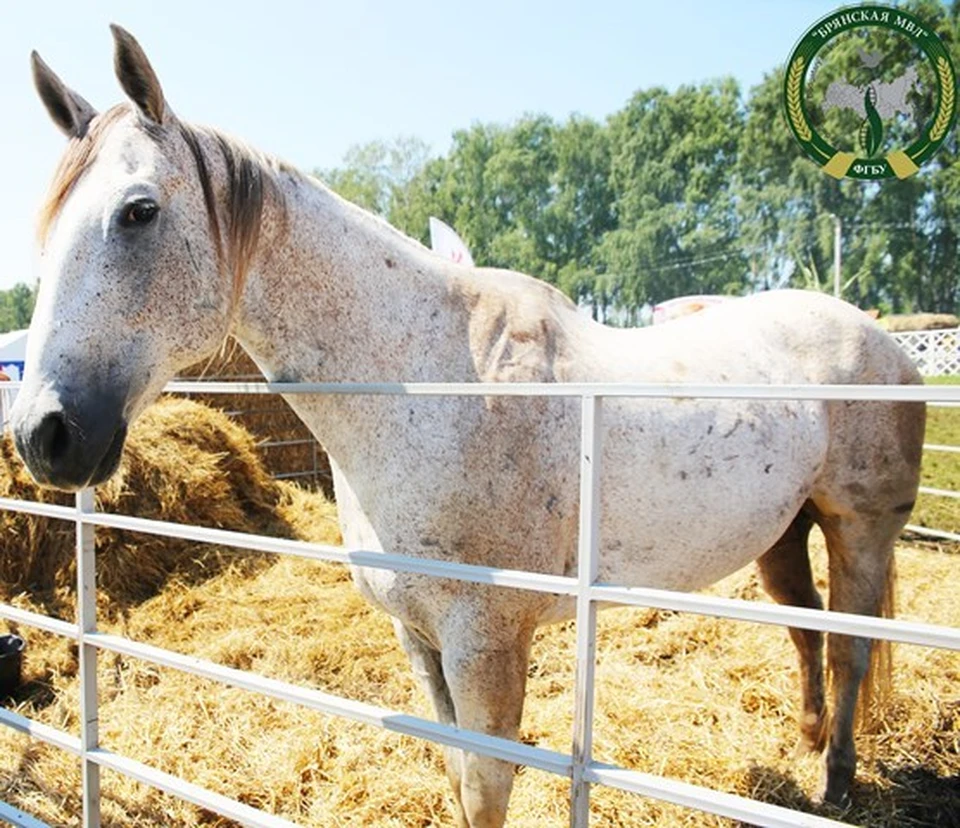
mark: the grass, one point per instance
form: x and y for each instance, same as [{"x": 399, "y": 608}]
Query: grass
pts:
[{"x": 940, "y": 469}]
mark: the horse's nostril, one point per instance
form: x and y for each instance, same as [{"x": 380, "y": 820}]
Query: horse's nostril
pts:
[
  {"x": 71, "y": 446},
  {"x": 53, "y": 437}
]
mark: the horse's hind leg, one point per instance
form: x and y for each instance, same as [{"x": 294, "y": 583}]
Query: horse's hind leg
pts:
[
  {"x": 860, "y": 550},
  {"x": 785, "y": 570}
]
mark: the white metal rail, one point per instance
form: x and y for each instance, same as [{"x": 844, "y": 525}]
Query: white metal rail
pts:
[{"x": 579, "y": 766}]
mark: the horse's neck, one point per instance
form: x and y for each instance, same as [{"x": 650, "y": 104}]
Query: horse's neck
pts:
[{"x": 336, "y": 294}]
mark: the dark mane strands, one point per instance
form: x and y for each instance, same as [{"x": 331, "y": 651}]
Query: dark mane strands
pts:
[
  {"x": 190, "y": 138},
  {"x": 247, "y": 182},
  {"x": 250, "y": 181}
]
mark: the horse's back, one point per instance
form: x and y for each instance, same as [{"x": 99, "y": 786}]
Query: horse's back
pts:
[{"x": 786, "y": 336}]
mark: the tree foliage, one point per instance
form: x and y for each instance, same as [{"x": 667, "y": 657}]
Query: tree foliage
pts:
[
  {"x": 697, "y": 190},
  {"x": 16, "y": 307}
]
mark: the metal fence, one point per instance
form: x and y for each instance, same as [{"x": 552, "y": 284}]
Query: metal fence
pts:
[
  {"x": 952, "y": 494},
  {"x": 578, "y": 765}
]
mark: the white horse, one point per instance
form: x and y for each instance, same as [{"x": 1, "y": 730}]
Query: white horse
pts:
[{"x": 159, "y": 239}]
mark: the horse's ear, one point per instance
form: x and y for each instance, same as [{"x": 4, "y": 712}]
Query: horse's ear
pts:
[
  {"x": 136, "y": 75},
  {"x": 68, "y": 110}
]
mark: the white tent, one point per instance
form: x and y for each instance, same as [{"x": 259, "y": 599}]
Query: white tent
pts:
[{"x": 13, "y": 352}]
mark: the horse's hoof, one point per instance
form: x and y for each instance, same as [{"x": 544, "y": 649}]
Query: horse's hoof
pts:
[
  {"x": 836, "y": 793},
  {"x": 843, "y": 803}
]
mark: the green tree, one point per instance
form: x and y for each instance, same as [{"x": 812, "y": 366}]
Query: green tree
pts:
[
  {"x": 582, "y": 210},
  {"x": 533, "y": 196},
  {"x": 373, "y": 175},
  {"x": 672, "y": 183},
  {"x": 493, "y": 187},
  {"x": 16, "y": 307}
]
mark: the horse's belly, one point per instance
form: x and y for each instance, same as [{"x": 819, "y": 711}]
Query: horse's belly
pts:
[
  {"x": 703, "y": 498},
  {"x": 691, "y": 491}
]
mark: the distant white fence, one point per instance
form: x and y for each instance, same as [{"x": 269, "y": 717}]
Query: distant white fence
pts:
[
  {"x": 7, "y": 397},
  {"x": 935, "y": 353},
  {"x": 579, "y": 765}
]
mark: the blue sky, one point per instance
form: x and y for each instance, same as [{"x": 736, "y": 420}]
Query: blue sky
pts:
[{"x": 307, "y": 80}]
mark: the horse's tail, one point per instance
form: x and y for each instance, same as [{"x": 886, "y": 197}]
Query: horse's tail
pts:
[{"x": 877, "y": 687}]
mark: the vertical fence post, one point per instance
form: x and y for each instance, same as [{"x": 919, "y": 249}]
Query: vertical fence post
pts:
[
  {"x": 587, "y": 567},
  {"x": 87, "y": 622}
]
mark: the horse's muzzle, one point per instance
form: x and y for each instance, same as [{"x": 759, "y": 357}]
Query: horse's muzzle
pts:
[{"x": 70, "y": 447}]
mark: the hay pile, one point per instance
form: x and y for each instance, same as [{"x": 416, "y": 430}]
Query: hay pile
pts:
[
  {"x": 184, "y": 462},
  {"x": 902, "y": 322},
  {"x": 704, "y": 700},
  {"x": 269, "y": 419}
]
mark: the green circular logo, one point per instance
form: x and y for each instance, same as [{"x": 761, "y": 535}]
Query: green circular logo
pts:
[{"x": 883, "y": 89}]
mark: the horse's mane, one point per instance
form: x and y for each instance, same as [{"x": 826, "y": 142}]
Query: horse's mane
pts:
[{"x": 251, "y": 179}]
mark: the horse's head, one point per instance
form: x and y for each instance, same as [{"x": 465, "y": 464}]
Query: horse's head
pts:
[{"x": 132, "y": 285}]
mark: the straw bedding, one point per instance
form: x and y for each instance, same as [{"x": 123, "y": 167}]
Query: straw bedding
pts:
[{"x": 704, "y": 700}]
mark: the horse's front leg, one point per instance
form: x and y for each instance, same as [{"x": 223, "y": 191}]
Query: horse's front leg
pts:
[
  {"x": 428, "y": 670},
  {"x": 485, "y": 667}
]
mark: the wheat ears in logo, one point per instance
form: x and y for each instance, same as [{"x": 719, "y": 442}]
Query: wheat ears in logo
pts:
[{"x": 901, "y": 162}]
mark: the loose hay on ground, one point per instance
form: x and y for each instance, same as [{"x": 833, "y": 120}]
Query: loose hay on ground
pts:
[{"x": 703, "y": 700}]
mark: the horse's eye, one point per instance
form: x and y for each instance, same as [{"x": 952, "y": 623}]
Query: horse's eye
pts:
[{"x": 139, "y": 212}]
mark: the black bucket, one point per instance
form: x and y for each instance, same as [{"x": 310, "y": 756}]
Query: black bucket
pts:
[{"x": 11, "y": 663}]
